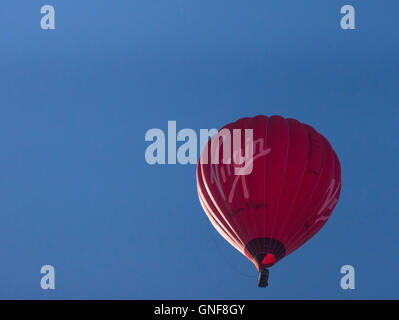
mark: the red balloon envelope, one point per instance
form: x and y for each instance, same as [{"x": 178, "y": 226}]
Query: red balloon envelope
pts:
[{"x": 285, "y": 193}]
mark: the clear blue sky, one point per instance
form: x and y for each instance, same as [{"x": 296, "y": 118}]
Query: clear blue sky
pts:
[{"x": 75, "y": 103}]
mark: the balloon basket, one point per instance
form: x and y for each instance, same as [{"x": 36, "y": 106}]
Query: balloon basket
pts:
[{"x": 263, "y": 278}]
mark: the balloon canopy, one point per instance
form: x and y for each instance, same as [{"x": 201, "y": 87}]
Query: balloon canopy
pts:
[{"x": 268, "y": 185}]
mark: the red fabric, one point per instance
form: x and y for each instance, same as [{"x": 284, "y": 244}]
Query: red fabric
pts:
[{"x": 289, "y": 195}]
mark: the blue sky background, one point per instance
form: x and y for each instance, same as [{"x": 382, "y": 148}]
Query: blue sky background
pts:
[{"x": 75, "y": 103}]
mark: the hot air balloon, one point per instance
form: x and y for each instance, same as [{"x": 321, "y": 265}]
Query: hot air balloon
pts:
[{"x": 291, "y": 185}]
